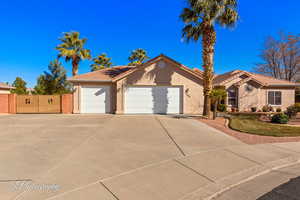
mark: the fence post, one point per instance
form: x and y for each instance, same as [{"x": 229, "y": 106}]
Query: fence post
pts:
[
  {"x": 67, "y": 103},
  {"x": 12, "y": 103}
]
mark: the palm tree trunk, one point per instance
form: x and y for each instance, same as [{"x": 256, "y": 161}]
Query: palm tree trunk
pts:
[
  {"x": 75, "y": 67},
  {"x": 208, "y": 44},
  {"x": 215, "y": 110}
]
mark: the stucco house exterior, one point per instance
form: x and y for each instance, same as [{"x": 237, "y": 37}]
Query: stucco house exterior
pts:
[
  {"x": 4, "y": 88},
  {"x": 165, "y": 86},
  {"x": 247, "y": 90}
]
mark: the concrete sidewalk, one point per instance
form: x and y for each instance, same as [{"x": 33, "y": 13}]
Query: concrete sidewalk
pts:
[{"x": 139, "y": 158}]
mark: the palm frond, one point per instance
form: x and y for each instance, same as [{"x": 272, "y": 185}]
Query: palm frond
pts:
[{"x": 203, "y": 14}]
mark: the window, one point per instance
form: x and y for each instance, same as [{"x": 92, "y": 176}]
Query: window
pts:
[
  {"x": 232, "y": 97},
  {"x": 274, "y": 98}
]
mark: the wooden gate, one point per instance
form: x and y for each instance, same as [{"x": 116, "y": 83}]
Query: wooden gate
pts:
[{"x": 38, "y": 104}]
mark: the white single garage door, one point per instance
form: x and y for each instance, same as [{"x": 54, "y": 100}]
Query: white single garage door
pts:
[
  {"x": 95, "y": 99},
  {"x": 153, "y": 100}
]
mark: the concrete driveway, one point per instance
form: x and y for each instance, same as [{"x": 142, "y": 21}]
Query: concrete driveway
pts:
[{"x": 124, "y": 158}]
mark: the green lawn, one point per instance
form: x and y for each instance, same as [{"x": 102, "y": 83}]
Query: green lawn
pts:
[{"x": 250, "y": 124}]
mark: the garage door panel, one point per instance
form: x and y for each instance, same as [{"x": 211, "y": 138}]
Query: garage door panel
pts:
[
  {"x": 95, "y": 99},
  {"x": 153, "y": 99}
]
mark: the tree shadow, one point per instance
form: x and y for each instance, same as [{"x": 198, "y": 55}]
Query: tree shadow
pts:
[
  {"x": 162, "y": 77},
  {"x": 286, "y": 191}
]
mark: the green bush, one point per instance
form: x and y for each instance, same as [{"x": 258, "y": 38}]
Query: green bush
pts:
[
  {"x": 222, "y": 108},
  {"x": 297, "y": 105},
  {"x": 267, "y": 108},
  {"x": 278, "y": 110},
  {"x": 280, "y": 119},
  {"x": 291, "y": 111}
]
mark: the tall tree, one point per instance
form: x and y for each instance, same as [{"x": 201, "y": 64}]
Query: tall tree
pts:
[
  {"x": 281, "y": 57},
  {"x": 20, "y": 86},
  {"x": 54, "y": 81},
  {"x": 72, "y": 49},
  {"x": 200, "y": 18},
  {"x": 101, "y": 62},
  {"x": 137, "y": 57}
]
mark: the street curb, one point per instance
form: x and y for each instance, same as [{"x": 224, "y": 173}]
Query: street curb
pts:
[{"x": 213, "y": 190}]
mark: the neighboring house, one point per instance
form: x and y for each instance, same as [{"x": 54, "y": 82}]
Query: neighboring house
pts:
[
  {"x": 30, "y": 91},
  {"x": 5, "y": 89},
  {"x": 165, "y": 86},
  {"x": 246, "y": 90}
]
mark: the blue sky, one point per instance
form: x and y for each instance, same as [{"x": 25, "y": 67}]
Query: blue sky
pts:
[{"x": 30, "y": 31}]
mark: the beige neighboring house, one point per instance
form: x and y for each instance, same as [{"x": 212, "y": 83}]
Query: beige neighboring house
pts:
[
  {"x": 164, "y": 86},
  {"x": 247, "y": 90},
  {"x": 5, "y": 89}
]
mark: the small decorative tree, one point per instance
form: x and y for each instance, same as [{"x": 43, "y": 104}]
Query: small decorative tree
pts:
[{"x": 217, "y": 95}]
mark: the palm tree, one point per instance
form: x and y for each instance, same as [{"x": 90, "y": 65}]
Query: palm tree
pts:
[
  {"x": 72, "y": 49},
  {"x": 101, "y": 62},
  {"x": 200, "y": 18},
  {"x": 216, "y": 96},
  {"x": 137, "y": 57}
]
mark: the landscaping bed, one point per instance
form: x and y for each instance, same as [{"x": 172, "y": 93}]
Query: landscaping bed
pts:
[
  {"x": 252, "y": 125},
  {"x": 221, "y": 124}
]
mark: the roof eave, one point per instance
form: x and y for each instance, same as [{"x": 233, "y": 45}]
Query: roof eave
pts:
[
  {"x": 91, "y": 81},
  {"x": 283, "y": 85}
]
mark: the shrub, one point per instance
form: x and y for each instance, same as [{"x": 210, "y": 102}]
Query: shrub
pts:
[
  {"x": 265, "y": 109},
  {"x": 280, "y": 119},
  {"x": 297, "y": 105},
  {"x": 291, "y": 111},
  {"x": 278, "y": 110},
  {"x": 253, "y": 109},
  {"x": 222, "y": 108}
]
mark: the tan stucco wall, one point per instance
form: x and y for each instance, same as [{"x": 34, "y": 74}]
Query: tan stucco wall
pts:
[
  {"x": 288, "y": 97},
  {"x": 4, "y": 91},
  {"x": 250, "y": 98},
  {"x": 258, "y": 97},
  {"x": 169, "y": 75}
]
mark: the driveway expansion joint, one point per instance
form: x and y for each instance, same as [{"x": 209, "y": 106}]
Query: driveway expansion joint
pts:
[
  {"x": 244, "y": 157},
  {"x": 187, "y": 167},
  {"x": 169, "y": 135},
  {"x": 115, "y": 196}
]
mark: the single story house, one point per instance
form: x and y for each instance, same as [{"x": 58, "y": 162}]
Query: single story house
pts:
[
  {"x": 165, "y": 86},
  {"x": 4, "y": 88}
]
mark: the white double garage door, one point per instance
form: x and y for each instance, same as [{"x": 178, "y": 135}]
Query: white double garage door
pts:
[{"x": 137, "y": 100}]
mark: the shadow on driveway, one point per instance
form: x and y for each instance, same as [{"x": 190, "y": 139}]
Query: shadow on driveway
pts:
[{"x": 286, "y": 191}]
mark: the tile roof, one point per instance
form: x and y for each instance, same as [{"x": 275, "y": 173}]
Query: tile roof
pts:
[
  {"x": 262, "y": 79},
  {"x": 5, "y": 86},
  {"x": 104, "y": 75},
  {"x": 158, "y": 58},
  {"x": 270, "y": 80},
  {"x": 219, "y": 79},
  {"x": 118, "y": 72}
]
